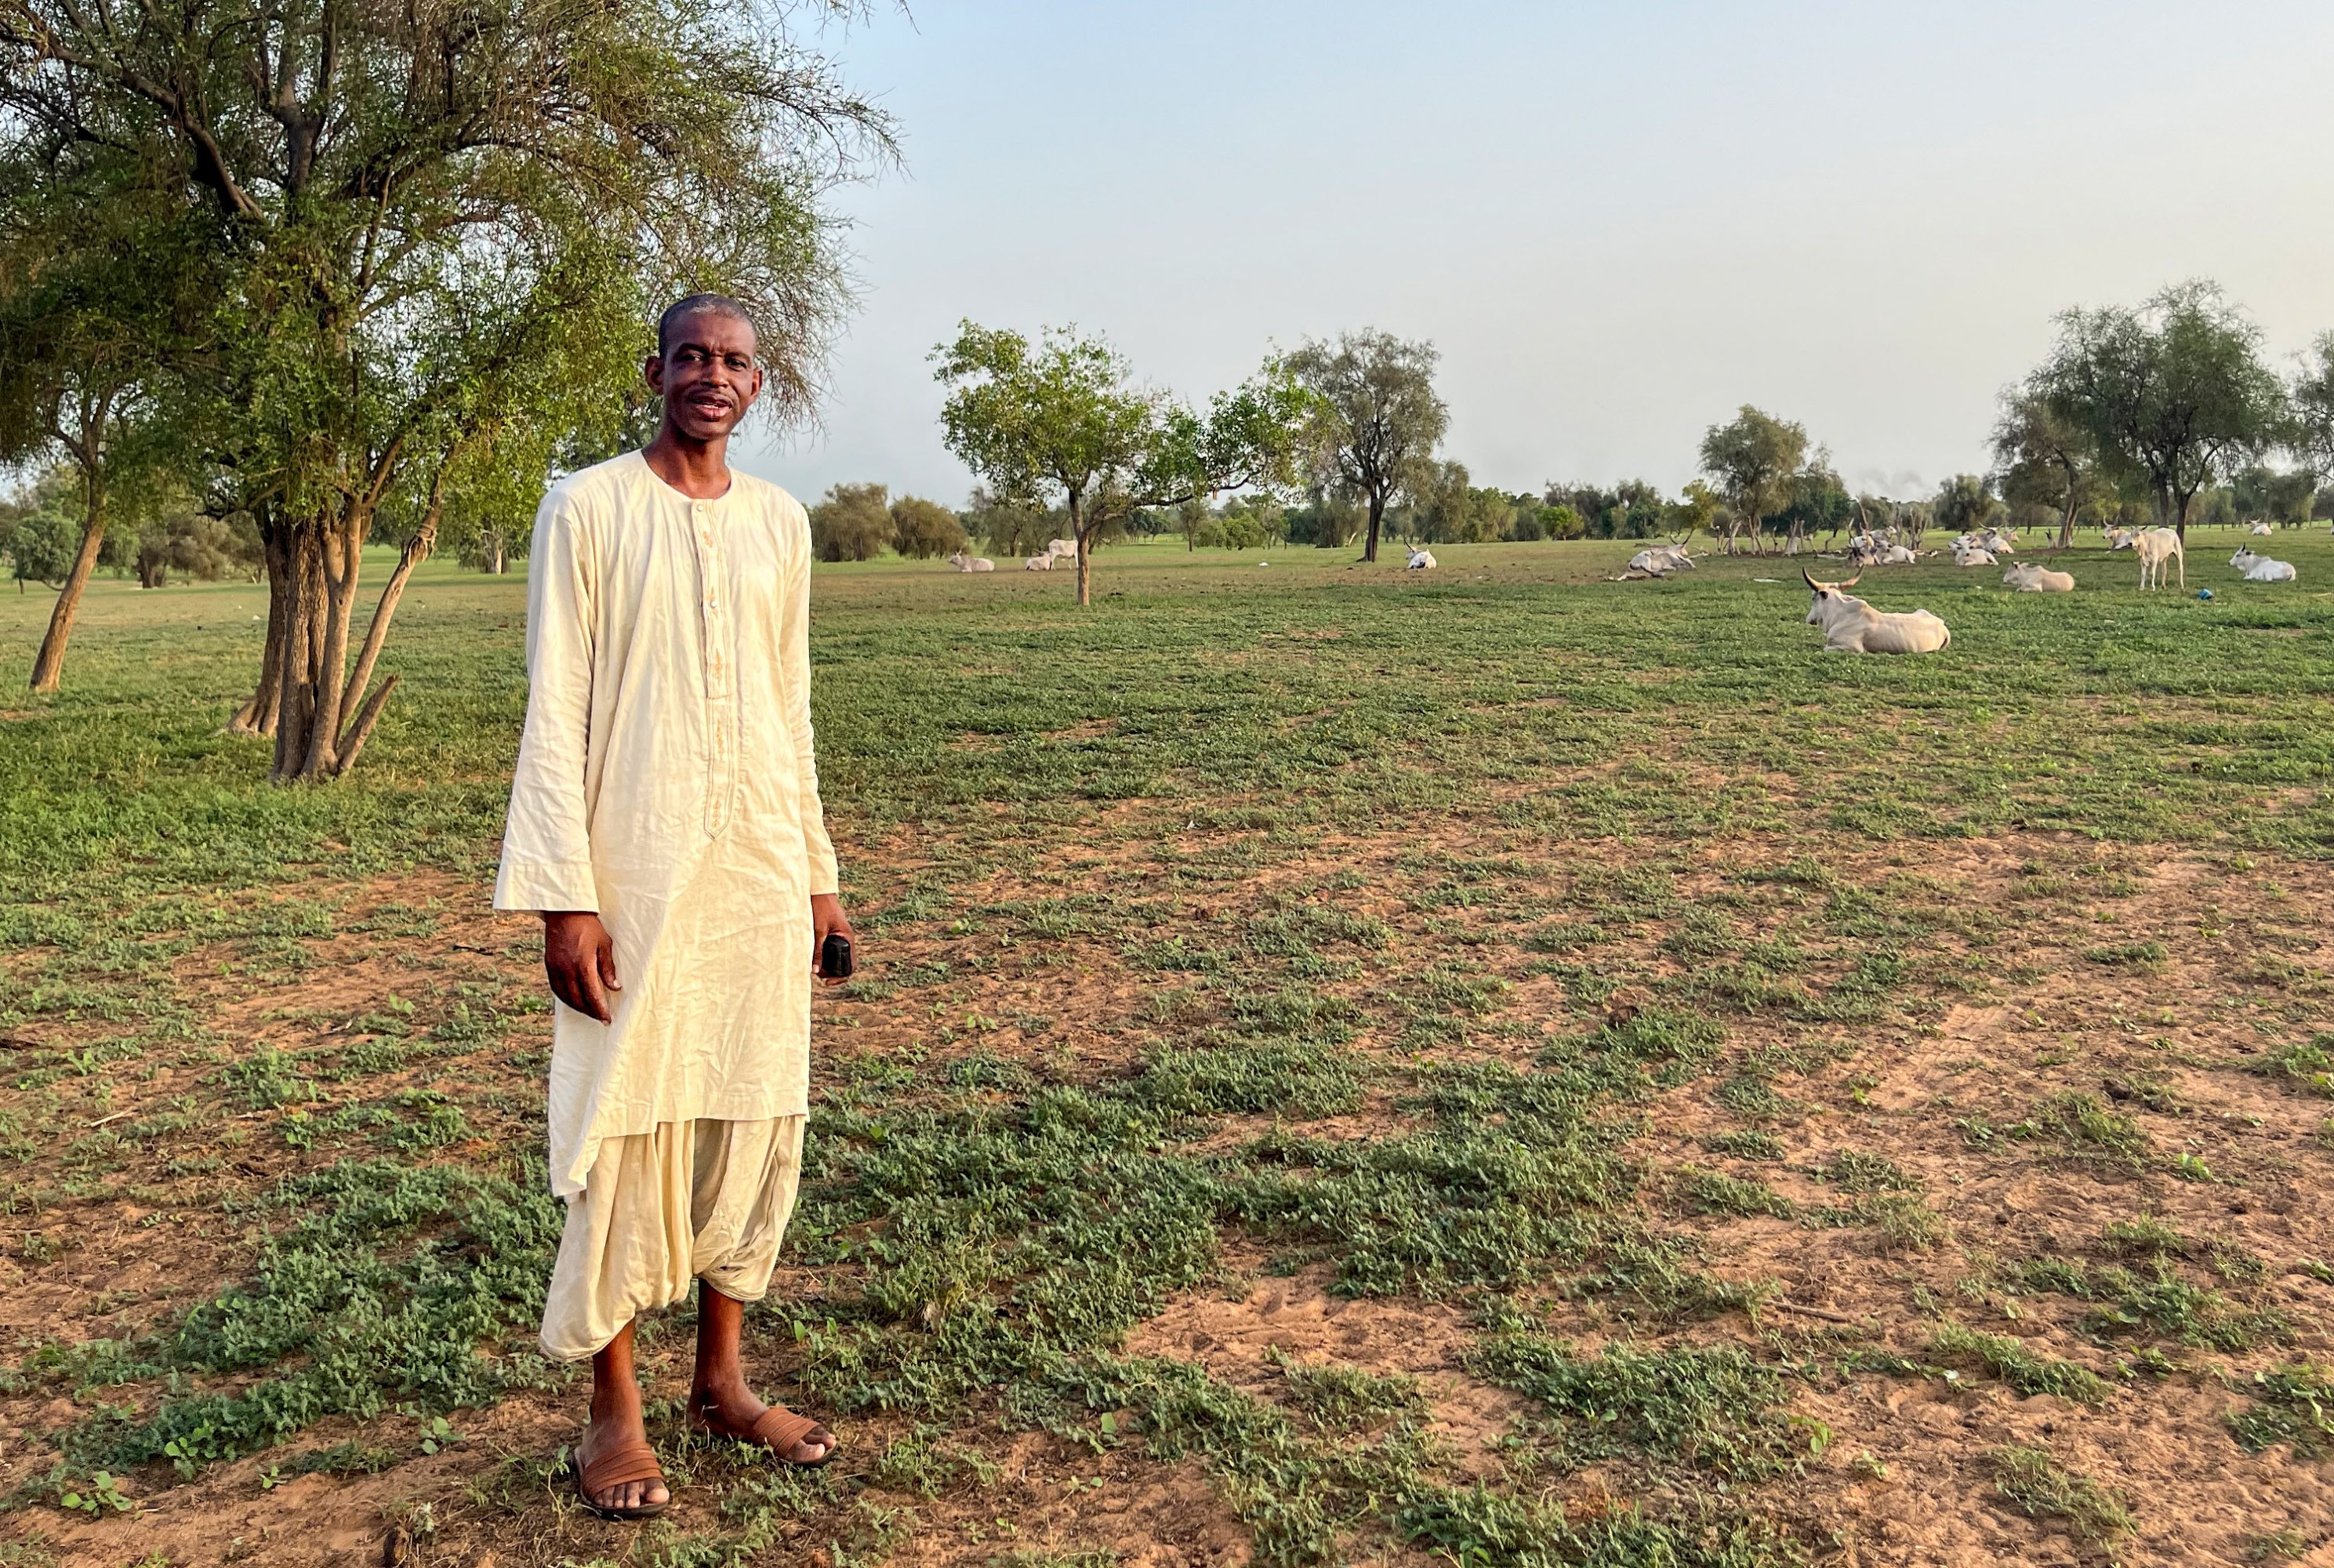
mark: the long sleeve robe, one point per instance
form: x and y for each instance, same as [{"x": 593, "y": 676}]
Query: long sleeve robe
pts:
[{"x": 666, "y": 780}]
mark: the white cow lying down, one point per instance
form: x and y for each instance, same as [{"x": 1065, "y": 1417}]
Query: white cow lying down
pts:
[
  {"x": 964, "y": 562},
  {"x": 1661, "y": 560},
  {"x": 1852, "y": 626},
  {"x": 2262, "y": 568},
  {"x": 2028, "y": 577},
  {"x": 1421, "y": 560}
]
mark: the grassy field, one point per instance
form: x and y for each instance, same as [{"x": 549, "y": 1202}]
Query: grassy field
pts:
[{"x": 1495, "y": 1066}]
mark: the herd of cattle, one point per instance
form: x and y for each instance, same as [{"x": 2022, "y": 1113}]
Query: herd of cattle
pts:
[
  {"x": 1852, "y": 626},
  {"x": 1849, "y": 624}
]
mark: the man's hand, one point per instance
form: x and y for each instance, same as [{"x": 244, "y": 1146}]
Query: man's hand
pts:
[
  {"x": 826, "y": 920},
  {"x": 580, "y": 957}
]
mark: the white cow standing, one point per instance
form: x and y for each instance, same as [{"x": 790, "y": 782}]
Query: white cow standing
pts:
[
  {"x": 2154, "y": 546},
  {"x": 2262, "y": 568},
  {"x": 1852, "y": 626},
  {"x": 1059, "y": 549},
  {"x": 1421, "y": 560}
]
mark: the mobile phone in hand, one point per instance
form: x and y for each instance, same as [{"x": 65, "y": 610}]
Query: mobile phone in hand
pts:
[{"x": 835, "y": 957}]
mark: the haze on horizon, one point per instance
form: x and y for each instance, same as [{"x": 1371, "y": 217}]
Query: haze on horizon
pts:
[{"x": 1617, "y": 222}]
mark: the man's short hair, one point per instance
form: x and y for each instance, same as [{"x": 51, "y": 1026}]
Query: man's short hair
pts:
[{"x": 697, "y": 304}]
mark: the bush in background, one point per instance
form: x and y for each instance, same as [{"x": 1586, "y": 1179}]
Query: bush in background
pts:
[
  {"x": 925, "y": 529},
  {"x": 853, "y": 522}
]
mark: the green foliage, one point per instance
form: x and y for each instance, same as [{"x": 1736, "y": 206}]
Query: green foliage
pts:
[
  {"x": 1853, "y": 1170},
  {"x": 2090, "y": 1130},
  {"x": 2173, "y": 395},
  {"x": 1750, "y": 1144},
  {"x": 1752, "y": 460},
  {"x": 925, "y": 530},
  {"x": 852, "y": 523},
  {"x": 1340, "y": 1397},
  {"x": 2158, "y": 1302},
  {"x": 1064, "y": 422},
  {"x": 1376, "y": 420}
]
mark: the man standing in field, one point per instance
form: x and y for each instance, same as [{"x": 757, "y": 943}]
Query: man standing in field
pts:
[{"x": 665, "y": 822}]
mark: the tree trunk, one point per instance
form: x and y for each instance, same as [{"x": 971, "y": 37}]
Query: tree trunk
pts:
[
  {"x": 303, "y": 634},
  {"x": 258, "y": 715},
  {"x": 1378, "y": 515},
  {"x": 49, "y": 664},
  {"x": 343, "y": 558}
]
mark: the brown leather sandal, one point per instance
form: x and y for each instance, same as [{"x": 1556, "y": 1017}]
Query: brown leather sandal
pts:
[
  {"x": 780, "y": 1431},
  {"x": 632, "y": 1461}
]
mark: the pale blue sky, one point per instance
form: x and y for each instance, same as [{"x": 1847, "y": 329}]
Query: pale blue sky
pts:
[{"x": 1618, "y": 221}]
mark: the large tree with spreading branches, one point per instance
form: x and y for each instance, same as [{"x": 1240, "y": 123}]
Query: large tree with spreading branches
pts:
[
  {"x": 2172, "y": 396},
  {"x": 438, "y": 232},
  {"x": 1381, "y": 419}
]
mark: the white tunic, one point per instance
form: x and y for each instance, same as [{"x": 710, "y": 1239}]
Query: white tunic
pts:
[{"x": 666, "y": 781}]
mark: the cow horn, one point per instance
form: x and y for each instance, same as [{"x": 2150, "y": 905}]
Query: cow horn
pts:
[
  {"x": 1811, "y": 582},
  {"x": 1851, "y": 582}
]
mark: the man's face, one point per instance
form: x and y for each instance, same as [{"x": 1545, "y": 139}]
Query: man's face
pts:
[{"x": 706, "y": 374}]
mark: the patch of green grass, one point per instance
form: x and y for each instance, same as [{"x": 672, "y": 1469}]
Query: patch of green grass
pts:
[
  {"x": 986, "y": 1228},
  {"x": 2160, "y": 1303},
  {"x": 2150, "y": 957},
  {"x": 2306, "y": 1064},
  {"x": 2291, "y": 1404},
  {"x": 2034, "y": 1483},
  {"x": 2008, "y": 1357},
  {"x": 2142, "y": 1237},
  {"x": 1343, "y": 1397},
  {"x": 1715, "y": 1192},
  {"x": 1707, "y": 1408},
  {"x": 1853, "y": 1170},
  {"x": 2089, "y": 1131},
  {"x": 1749, "y": 1144},
  {"x": 379, "y": 1295}
]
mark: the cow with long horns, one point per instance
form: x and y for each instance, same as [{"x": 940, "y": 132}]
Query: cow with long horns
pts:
[{"x": 1852, "y": 626}]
